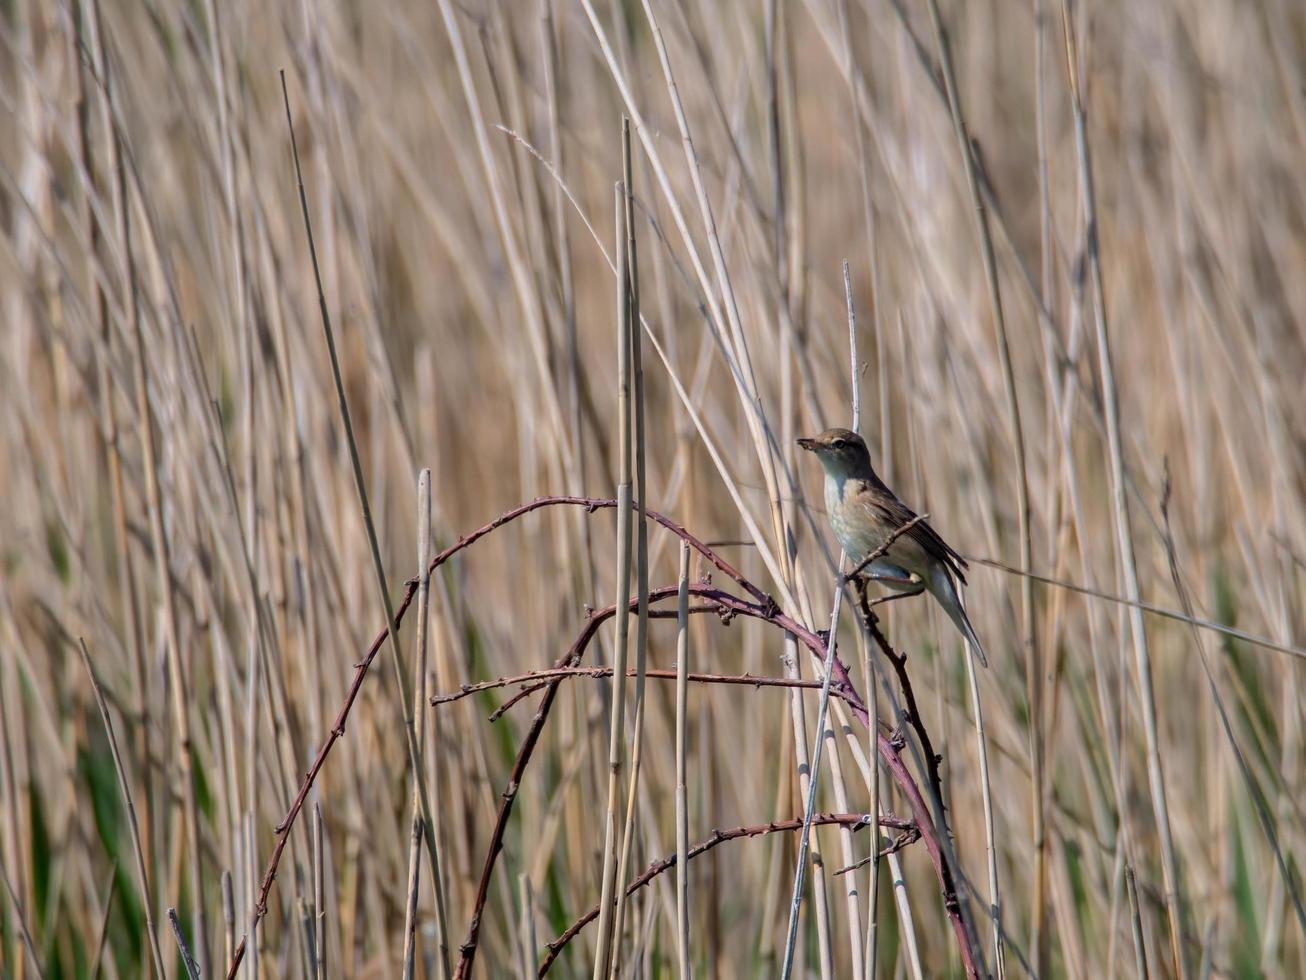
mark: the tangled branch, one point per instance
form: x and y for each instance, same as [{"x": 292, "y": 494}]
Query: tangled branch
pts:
[{"x": 758, "y": 606}]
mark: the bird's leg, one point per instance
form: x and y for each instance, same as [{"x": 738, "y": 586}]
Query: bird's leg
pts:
[
  {"x": 881, "y": 600},
  {"x": 908, "y": 586}
]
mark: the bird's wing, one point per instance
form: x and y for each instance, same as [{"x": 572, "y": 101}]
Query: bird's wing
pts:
[{"x": 896, "y": 514}]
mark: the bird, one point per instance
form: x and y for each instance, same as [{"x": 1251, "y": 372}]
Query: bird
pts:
[{"x": 864, "y": 513}]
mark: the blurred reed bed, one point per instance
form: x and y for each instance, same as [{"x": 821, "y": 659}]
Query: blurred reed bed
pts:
[{"x": 180, "y": 495}]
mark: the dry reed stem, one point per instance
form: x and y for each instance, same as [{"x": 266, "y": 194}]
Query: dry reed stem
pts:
[
  {"x": 419, "y": 705},
  {"x": 639, "y": 437},
  {"x": 802, "y": 762},
  {"x": 617, "y": 707},
  {"x": 683, "y": 963}
]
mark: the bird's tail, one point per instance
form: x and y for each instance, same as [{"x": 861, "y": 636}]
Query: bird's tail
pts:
[{"x": 945, "y": 591}]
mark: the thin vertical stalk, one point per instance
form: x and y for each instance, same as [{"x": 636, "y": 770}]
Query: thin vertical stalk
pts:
[
  {"x": 788, "y": 413},
  {"x": 986, "y": 791},
  {"x": 641, "y": 534},
  {"x": 820, "y": 901},
  {"x": 873, "y": 886},
  {"x": 1120, "y": 502},
  {"x": 857, "y": 949},
  {"x": 414, "y": 885},
  {"x": 685, "y": 970},
  {"x": 1039, "y": 939},
  {"x": 868, "y": 666},
  {"x": 147, "y": 900},
  {"x": 419, "y": 713},
  {"x": 616, "y": 740},
  {"x": 229, "y": 908},
  {"x": 1033, "y": 670},
  {"x": 319, "y": 892},
  {"x": 249, "y": 849}
]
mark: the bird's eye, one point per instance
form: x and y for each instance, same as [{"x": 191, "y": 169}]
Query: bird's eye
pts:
[{"x": 841, "y": 444}]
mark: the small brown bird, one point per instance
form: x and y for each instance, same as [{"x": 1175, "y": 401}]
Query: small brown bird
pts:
[{"x": 864, "y": 513}]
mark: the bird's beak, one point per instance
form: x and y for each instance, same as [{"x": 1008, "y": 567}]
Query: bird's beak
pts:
[{"x": 808, "y": 444}]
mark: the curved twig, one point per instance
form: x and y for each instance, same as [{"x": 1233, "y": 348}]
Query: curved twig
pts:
[
  {"x": 854, "y": 820},
  {"x": 592, "y": 504}
]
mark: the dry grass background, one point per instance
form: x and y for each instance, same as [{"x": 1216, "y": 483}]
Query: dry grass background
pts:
[{"x": 474, "y": 314}]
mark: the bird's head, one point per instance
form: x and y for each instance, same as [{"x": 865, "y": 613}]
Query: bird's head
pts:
[{"x": 842, "y": 452}]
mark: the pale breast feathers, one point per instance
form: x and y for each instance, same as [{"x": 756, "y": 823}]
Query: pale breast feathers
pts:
[{"x": 864, "y": 515}]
